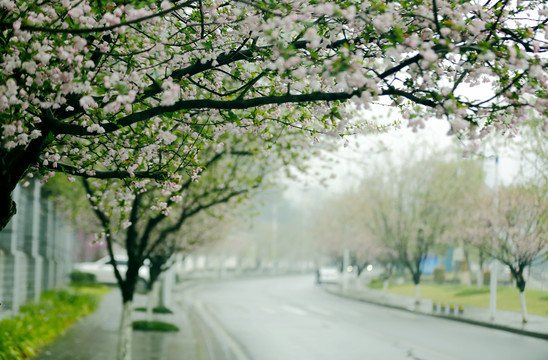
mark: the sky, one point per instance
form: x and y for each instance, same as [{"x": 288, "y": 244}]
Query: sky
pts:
[{"x": 364, "y": 152}]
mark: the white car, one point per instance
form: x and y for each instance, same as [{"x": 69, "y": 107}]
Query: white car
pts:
[
  {"x": 104, "y": 271},
  {"x": 328, "y": 274}
]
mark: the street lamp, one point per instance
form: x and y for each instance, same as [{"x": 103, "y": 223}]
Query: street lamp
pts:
[{"x": 494, "y": 264}]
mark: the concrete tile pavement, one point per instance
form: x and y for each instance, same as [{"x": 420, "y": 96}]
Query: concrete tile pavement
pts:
[
  {"x": 95, "y": 337},
  {"x": 537, "y": 326}
]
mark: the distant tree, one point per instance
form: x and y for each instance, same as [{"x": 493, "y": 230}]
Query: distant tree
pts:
[
  {"x": 337, "y": 228},
  {"x": 533, "y": 145},
  {"x": 410, "y": 210},
  {"x": 515, "y": 231},
  {"x": 469, "y": 192}
]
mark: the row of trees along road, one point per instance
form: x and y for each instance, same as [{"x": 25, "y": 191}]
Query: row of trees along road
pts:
[
  {"x": 148, "y": 220},
  {"x": 401, "y": 214},
  {"x": 125, "y": 92}
]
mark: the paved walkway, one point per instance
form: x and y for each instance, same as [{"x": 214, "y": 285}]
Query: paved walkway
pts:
[
  {"x": 536, "y": 326},
  {"x": 96, "y": 336}
]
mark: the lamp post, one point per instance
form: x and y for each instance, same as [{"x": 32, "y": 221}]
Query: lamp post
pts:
[{"x": 494, "y": 263}]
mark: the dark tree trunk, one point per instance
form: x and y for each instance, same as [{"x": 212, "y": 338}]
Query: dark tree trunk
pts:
[
  {"x": 416, "y": 278},
  {"x": 517, "y": 273},
  {"x": 7, "y": 205},
  {"x": 127, "y": 286},
  {"x": 14, "y": 165}
]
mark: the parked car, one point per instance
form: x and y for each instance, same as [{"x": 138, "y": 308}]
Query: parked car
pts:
[
  {"x": 327, "y": 274},
  {"x": 104, "y": 271}
]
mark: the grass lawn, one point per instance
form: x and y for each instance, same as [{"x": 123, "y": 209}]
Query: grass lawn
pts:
[{"x": 507, "y": 297}]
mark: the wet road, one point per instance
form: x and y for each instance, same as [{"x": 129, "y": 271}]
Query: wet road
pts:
[{"x": 291, "y": 318}]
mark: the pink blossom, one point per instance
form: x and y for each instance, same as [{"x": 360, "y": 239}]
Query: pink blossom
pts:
[
  {"x": 95, "y": 128},
  {"x": 87, "y": 102},
  {"x": 76, "y": 12},
  {"x": 429, "y": 55},
  {"x": 111, "y": 19},
  {"x": 383, "y": 22},
  {"x": 165, "y": 5},
  {"x": 170, "y": 95}
]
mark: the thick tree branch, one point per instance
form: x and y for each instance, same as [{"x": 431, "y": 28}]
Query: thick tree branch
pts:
[
  {"x": 238, "y": 104},
  {"x": 105, "y": 174}
]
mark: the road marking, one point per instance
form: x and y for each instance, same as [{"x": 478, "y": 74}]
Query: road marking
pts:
[
  {"x": 293, "y": 310},
  {"x": 268, "y": 310},
  {"x": 413, "y": 348},
  {"x": 318, "y": 310}
]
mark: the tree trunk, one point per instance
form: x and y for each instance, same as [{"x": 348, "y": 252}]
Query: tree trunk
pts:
[
  {"x": 466, "y": 278},
  {"x": 385, "y": 286},
  {"x": 523, "y": 306},
  {"x": 480, "y": 272},
  {"x": 417, "y": 293},
  {"x": 126, "y": 332},
  {"x": 152, "y": 299},
  {"x": 417, "y": 282},
  {"x": 7, "y": 207},
  {"x": 480, "y": 278},
  {"x": 13, "y": 167},
  {"x": 520, "y": 283}
]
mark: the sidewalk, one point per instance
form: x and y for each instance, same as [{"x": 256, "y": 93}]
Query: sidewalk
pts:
[
  {"x": 96, "y": 336},
  {"x": 504, "y": 320}
]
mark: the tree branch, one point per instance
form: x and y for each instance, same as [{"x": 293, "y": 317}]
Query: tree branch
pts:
[
  {"x": 238, "y": 104},
  {"x": 32, "y": 28},
  {"x": 105, "y": 174}
]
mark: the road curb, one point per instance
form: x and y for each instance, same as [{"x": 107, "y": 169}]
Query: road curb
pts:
[
  {"x": 218, "y": 338},
  {"x": 231, "y": 348},
  {"x": 453, "y": 318}
]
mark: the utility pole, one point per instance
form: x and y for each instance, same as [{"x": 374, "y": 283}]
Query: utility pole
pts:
[
  {"x": 494, "y": 263},
  {"x": 345, "y": 274}
]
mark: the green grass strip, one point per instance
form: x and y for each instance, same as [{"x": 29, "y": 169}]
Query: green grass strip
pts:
[
  {"x": 38, "y": 324},
  {"x": 507, "y": 297}
]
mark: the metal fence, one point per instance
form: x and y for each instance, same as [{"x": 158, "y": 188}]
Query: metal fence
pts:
[{"x": 35, "y": 250}]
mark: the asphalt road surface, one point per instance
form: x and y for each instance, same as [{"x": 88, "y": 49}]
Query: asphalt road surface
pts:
[{"x": 288, "y": 318}]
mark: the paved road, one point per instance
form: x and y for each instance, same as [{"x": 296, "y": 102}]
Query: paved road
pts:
[{"x": 291, "y": 318}]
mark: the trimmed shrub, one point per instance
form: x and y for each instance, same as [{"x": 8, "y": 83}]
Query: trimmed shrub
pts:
[
  {"x": 439, "y": 275},
  {"x": 39, "y": 323},
  {"x": 376, "y": 283},
  {"x": 156, "y": 310},
  {"x": 154, "y": 326},
  {"x": 77, "y": 276}
]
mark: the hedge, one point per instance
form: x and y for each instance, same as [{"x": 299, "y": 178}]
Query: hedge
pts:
[{"x": 37, "y": 324}]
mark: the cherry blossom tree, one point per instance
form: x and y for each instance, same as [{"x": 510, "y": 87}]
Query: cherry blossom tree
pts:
[
  {"x": 410, "y": 210},
  {"x": 201, "y": 229},
  {"x": 534, "y": 147},
  {"x": 117, "y": 90},
  {"x": 338, "y": 226},
  {"x": 334, "y": 227},
  {"x": 515, "y": 231},
  {"x": 466, "y": 228},
  {"x": 137, "y": 216}
]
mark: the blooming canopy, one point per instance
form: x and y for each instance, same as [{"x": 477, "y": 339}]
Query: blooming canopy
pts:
[{"x": 135, "y": 90}]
